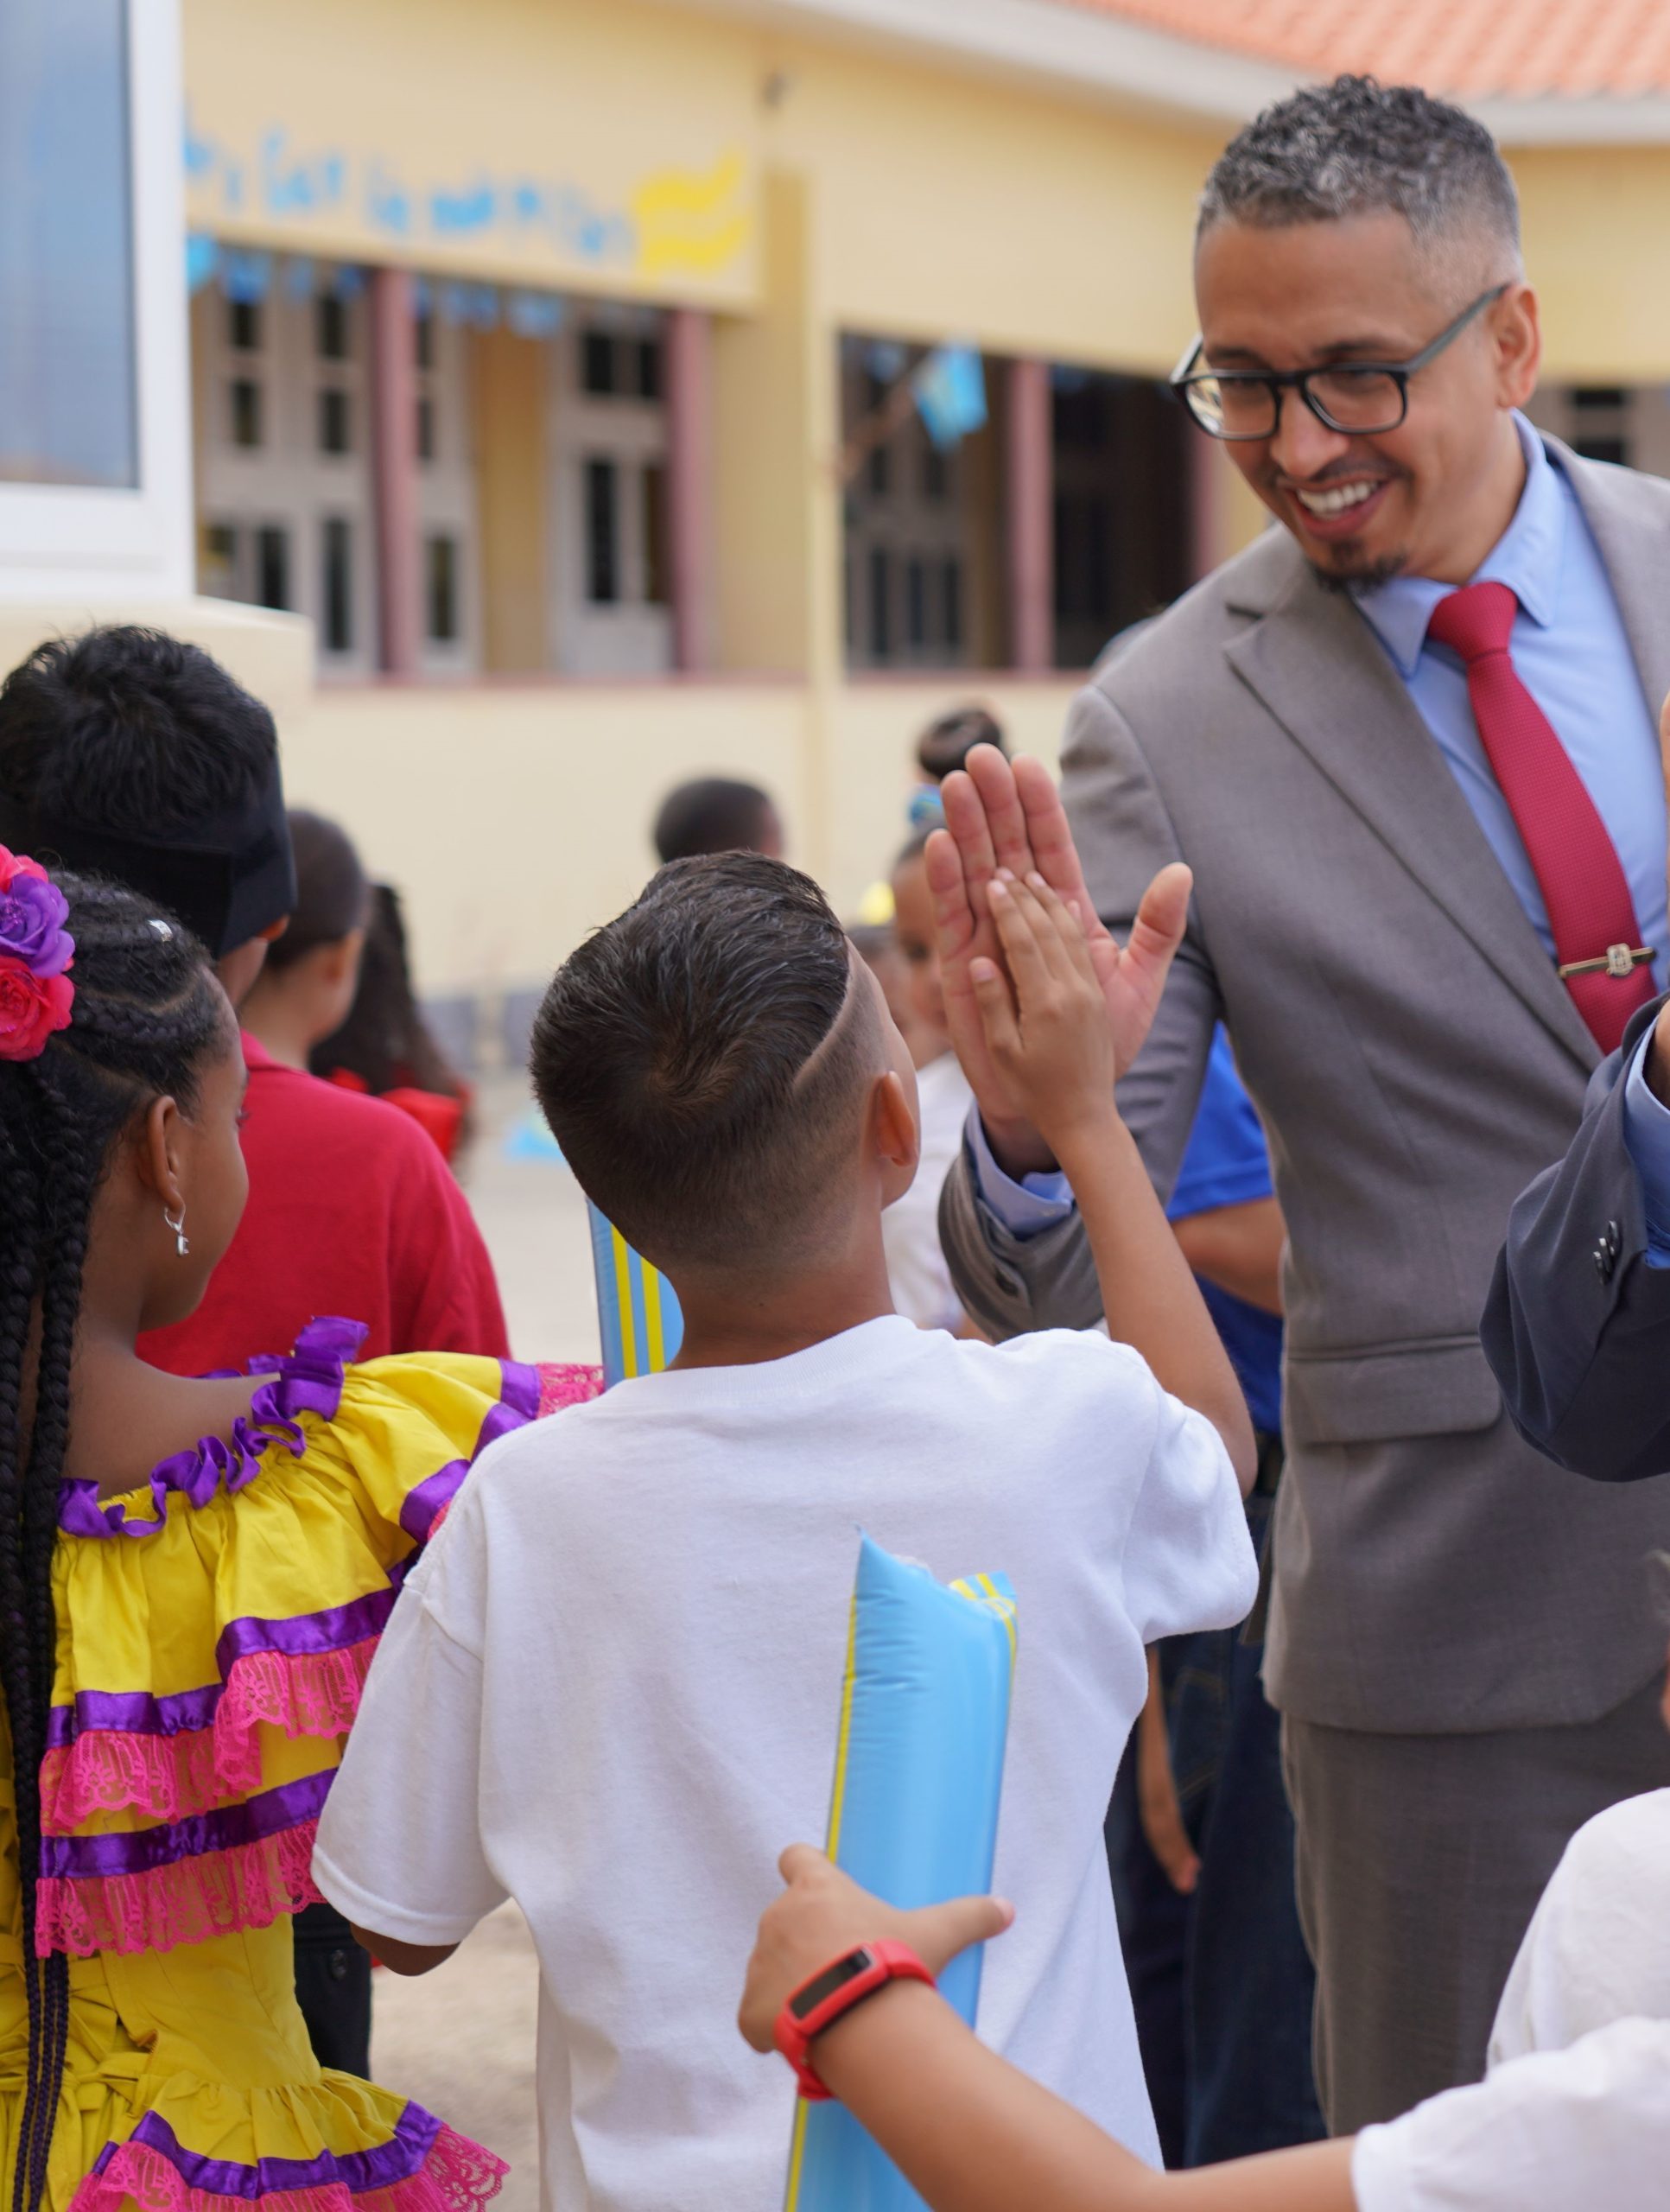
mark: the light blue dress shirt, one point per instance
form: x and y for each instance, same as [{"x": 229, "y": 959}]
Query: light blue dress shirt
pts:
[
  {"x": 1647, "y": 1133},
  {"x": 1570, "y": 649}
]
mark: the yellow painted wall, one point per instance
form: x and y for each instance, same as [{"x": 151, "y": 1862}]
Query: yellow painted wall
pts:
[
  {"x": 768, "y": 449},
  {"x": 1594, "y": 223},
  {"x": 945, "y": 201},
  {"x": 536, "y": 141},
  {"x": 516, "y": 818}
]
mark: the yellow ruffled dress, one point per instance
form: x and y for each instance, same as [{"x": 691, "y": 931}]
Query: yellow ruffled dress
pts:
[{"x": 214, "y": 1628}]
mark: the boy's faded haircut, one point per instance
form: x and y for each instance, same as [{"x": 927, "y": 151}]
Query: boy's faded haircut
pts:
[{"x": 702, "y": 1062}]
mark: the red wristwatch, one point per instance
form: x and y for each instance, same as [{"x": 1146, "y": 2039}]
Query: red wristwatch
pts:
[{"x": 835, "y": 1989}]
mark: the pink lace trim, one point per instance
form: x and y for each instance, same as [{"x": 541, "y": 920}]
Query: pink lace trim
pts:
[
  {"x": 169, "y": 1778},
  {"x": 305, "y": 1694},
  {"x": 106, "y": 1771},
  {"x": 457, "y": 2176},
  {"x": 186, "y": 1901},
  {"x": 561, "y": 1386}
]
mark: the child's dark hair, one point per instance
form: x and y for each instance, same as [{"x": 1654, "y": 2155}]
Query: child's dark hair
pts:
[
  {"x": 714, "y": 814},
  {"x": 331, "y": 895},
  {"x": 386, "y": 1040},
  {"x": 702, "y": 1062},
  {"x": 128, "y": 729},
  {"x": 947, "y": 743},
  {"x": 146, "y": 1013}
]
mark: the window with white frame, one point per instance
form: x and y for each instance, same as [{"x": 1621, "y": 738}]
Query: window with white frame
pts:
[
  {"x": 1626, "y": 423},
  {"x": 281, "y": 398},
  {"x": 909, "y": 519},
  {"x": 444, "y": 441},
  {"x": 611, "y": 614}
]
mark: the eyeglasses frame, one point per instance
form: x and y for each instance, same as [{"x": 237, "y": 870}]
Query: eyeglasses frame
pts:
[{"x": 1278, "y": 381}]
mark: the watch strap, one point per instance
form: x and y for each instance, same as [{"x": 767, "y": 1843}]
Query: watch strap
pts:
[{"x": 863, "y": 1970}]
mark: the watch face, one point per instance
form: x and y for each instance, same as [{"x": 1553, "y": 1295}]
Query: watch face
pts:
[{"x": 805, "y": 2002}]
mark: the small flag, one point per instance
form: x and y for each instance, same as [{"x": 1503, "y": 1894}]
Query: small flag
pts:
[
  {"x": 637, "y": 1313},
  {"x": 951, "y": 394}
]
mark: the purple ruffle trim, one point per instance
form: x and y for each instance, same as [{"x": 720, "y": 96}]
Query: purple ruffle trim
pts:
[
  {"x": 136, "y": 1712},
  {"x": 358, "y": 2172},
  {"x": 336, "y": 1628},
  {"x": 308, "y": 1381},
  {"x": 519, "y": 1403},
  {"x": 139, "y": 1851}
]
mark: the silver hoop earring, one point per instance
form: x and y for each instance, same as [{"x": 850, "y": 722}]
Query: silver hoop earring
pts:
[{"x": 182, "y": 1242}]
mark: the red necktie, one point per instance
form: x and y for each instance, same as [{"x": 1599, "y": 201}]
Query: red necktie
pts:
[{"x": 1590, "y": 909}]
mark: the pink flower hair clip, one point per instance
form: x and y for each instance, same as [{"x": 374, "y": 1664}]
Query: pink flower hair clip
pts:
[{"x": 36, "y": 953}]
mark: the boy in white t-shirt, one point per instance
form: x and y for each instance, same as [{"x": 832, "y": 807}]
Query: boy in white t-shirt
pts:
[{"x": 610, "y": 1689}]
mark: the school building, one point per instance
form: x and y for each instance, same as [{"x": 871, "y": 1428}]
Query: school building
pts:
[{"x": 557, "y": 363}]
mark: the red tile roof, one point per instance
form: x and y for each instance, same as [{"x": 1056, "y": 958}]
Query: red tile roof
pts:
[{"x": 1479, "y": 49}]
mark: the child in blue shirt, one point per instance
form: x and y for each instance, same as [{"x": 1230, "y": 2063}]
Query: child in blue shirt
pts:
[{"x": 1200, "y": 1836}]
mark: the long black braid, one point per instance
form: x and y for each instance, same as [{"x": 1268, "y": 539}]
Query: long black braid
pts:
[{"x": 147, "y": 1013}]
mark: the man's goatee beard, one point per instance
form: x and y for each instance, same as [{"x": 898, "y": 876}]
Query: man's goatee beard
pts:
[{"x": 1372, "y": 573}]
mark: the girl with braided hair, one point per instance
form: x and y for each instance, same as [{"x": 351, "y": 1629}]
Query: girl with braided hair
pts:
[{"x": 193, "y": 1575}]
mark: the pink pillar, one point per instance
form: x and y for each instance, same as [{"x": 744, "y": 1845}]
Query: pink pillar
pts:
[
  {"x": 1029, "y": 501},
  {"x": 394, "y": 456},
  {"x": 690, "y": 486}
]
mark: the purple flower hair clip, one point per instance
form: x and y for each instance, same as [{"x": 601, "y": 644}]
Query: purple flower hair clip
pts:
[{"x": 36, "y": 953}]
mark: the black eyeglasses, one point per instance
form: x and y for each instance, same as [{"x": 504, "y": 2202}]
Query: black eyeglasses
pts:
[{"x": 1357, "y": 398}]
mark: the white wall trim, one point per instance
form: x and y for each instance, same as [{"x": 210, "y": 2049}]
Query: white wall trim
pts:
[
  {"x": 68, "y": 541},
  {"x": 1100, "y": 57},
  {"x": 1103, "y": 57}
]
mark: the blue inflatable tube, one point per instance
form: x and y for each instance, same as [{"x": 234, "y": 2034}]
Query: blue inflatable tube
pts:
[
  {"x": 924, "y": 1716},
  {"x": 638, "y": 1317}
]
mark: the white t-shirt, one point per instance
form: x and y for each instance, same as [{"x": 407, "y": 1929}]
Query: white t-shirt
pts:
[
  {"x": 1582, "y": 2130},
  {"x": 1598, "y": 1948},
  {"x": 917, "y": 1269},
  {"x": 610, "y": 1690}
]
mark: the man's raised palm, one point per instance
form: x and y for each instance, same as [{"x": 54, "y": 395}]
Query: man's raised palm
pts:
[{"x": 1002, "y": 817}]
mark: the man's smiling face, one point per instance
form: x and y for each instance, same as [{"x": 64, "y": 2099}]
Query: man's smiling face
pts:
[{"x": 1427, "y": 497}]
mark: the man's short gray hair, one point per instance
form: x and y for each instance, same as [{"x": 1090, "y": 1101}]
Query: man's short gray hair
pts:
[{"x": 1355, "y": 148}]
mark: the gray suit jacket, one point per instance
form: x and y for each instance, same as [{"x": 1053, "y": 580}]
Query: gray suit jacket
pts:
[
  {"x": 1578, "y": 1325},
  {"x": 1415, "y": 1061}
]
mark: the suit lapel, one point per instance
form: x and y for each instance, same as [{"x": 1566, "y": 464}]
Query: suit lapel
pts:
[{"x": 1319, "y": 669}]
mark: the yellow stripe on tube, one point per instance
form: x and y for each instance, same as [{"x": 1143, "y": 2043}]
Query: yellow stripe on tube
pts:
[
  {"x": 831, "y": 1845},
  {"x": 623, "y": 1284},
  {"x": 1001, "y": 1607},
  {"x": 652, "y": 1327},
  {"x": 832, "y": 1841},
  {"x": 797, "y": 2155}
]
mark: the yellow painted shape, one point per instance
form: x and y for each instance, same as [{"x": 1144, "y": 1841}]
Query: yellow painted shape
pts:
[
  {"x": 687, "y": 191},
  {"x": 691, "y": 221}
]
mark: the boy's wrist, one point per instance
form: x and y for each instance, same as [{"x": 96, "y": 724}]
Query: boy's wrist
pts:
[
  {"x": 1086, "y": 1133},
  {"x": 839, "y": 2049}
]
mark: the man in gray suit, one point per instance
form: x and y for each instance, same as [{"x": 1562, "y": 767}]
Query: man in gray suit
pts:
[{"x": 1426, "y": 828}]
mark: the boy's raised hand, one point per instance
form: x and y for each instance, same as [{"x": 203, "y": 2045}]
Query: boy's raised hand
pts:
[
  {"x": 822, "y": 1913},
  {"x": 999, "y": 816},
  {"x": 1044, "y": 1013}
]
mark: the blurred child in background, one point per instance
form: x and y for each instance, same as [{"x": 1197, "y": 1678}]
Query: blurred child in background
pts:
[
  {"x": 384, "y": 1045},
  {"x": 910, "y": 1228},
  {"x": 717, "y": 814},
  {"x": 308, "y": 980}
]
